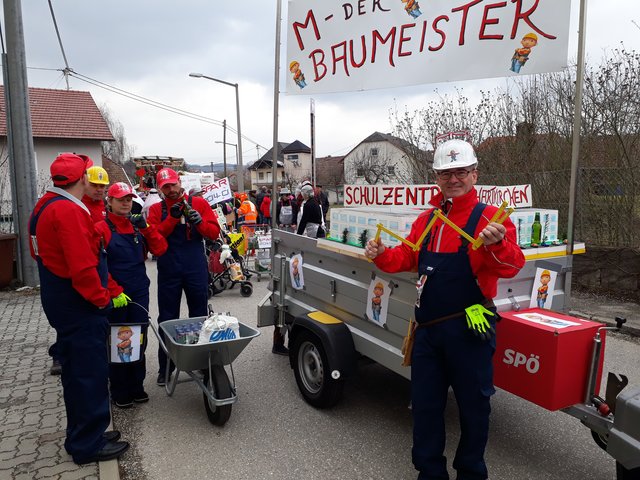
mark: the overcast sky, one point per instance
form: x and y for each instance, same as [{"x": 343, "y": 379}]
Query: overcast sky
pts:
[{"x": 149, "y": 48}]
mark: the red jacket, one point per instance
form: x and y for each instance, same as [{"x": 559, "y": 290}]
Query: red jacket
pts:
[
  {"x": 156, "y": 243},
  {"x": 68, "y": 245},
  {"x": 488, "y": 263},
  {"x": 208, "y": 228},
  {"x": 265, "y": 207},
  {"x": 96, "y": 208}
]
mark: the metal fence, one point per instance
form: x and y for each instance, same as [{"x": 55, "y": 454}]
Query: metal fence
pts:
[{"x": 608, "y": 202}]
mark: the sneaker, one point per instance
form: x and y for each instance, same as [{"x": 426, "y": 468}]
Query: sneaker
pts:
[
  {"x": 161, "y": 381},
  {"x": 123, "y": 403},
  {"x": 56, "y": 368},
  {"x": 280, "y": 350},
  {"x": 141, "y": 397}
]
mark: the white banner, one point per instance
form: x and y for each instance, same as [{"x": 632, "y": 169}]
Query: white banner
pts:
[
  {"x": 348, "y": 45},
  {"x": 516, "y": 196},
  {"x": 218, "y": 191}
]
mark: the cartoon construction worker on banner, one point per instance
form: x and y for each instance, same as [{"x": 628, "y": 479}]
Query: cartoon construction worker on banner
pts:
[
  {"x": 298, "y": 76},
  {"x": 521, "y": 55}
]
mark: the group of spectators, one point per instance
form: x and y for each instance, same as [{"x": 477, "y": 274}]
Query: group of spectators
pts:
[
  {"x": 90, "y": 240},
  {"x": 303, "y": 212}
]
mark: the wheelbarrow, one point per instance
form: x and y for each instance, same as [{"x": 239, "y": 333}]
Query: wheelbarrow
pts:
[{"x": 204, "y": 363}]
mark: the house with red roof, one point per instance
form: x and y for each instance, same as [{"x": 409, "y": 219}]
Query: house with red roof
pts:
[{"x": 62, "y": 121}]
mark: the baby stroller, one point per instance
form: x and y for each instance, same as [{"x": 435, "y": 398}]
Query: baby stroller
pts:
[{"x": 226, "y": 268}]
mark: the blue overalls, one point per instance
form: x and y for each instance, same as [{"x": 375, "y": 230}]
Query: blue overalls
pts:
[
  {"x": 183, "y": 266},
  {"x": 82, "y": 349},
  {"x": 448, "y": 354},
  {"x": 125, "y": 257}
]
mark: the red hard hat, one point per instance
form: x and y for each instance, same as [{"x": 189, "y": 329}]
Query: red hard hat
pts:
[
  {"x": 119, "y": 190},
  {"x": 167, "y": 176}
]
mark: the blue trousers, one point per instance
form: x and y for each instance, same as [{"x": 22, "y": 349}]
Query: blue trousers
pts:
[{"x": 444, "y": 355}]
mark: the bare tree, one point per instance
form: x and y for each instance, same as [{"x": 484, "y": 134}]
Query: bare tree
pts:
[
  {"x": 119, "y": 151},
  {"x": 373, "y": 168}
]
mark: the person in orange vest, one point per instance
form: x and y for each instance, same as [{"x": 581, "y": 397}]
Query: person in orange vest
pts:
[
  {"x": 247, "y": 212},
  {"x": 96, "y": 192}
]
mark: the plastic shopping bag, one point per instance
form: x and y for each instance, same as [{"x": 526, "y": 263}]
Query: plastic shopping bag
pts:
[{"x": 219, "y": 327}]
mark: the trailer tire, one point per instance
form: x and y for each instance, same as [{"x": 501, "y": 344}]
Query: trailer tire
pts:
[
  {"x": 311, "y": 369},
  {"x": 601, "y": 440},
  {"x": 220, "y": 388}
]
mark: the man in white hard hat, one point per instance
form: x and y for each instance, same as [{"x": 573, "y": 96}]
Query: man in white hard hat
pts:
[{"x": 454, "y": 339}]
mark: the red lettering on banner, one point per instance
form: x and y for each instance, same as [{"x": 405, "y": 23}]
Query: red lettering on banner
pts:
[
  {"x": 465, "y": 11},
  {"x": 490, "y": 21},
  {"x": 348, "y": 198},
  {"x": 317, "y": 64},
  {"x": 443, "y": 36},
  {"x": 364, "y": 53},
  {"x": 397, "y": 198},
  {"x": 404, "y": 39},
  {"x": 297, "y": 26},
  {"x": 520, "y": 15},
  {"x": 376, "y": 36},
  {"x": 342, "y": 58},
  {"x": 423, "y": 34},
  {"x": 412, "y": 196}
]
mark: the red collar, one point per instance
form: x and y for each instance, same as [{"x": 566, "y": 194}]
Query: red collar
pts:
[{"x": 469, "y": 199}]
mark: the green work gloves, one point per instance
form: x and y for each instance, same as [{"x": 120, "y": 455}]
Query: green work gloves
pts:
[
  {"x": 477, "y": 323},
  {"x": 121, "y": 300}
]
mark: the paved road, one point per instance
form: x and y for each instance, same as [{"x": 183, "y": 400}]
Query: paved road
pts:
[{"x": 274, "y": 434}]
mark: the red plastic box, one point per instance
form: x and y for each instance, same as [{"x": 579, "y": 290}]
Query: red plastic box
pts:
[{"x": 545, "y": 357}]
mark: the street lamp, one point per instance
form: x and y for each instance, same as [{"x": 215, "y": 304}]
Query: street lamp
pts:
[
  {"x": 240, "y": 173},
  {"x": 225, "y": 155}
]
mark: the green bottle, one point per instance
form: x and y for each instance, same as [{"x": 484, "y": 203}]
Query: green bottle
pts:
[{"x": 536, "y": 228}]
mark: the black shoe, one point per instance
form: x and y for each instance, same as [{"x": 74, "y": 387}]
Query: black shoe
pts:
[
  {"x": 123, "y": 403},
  {"x": 112, "y": 436},
  {"x": 141, "y": 397},
  {"x": 280, "y": 350},
  {"x": 110, "y": 451},
  {"x": 161, "y": 381},
  {"x": 56, "y": 368}
]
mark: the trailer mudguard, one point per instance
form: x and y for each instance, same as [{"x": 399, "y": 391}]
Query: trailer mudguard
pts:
[
  {"x": 335, "y": 337},
  {"x": 624, "y": 437}
]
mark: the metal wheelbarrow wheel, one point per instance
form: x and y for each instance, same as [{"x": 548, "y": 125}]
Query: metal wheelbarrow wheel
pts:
[{"x": 220, "y": 388}]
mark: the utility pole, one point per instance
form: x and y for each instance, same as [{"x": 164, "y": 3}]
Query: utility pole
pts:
[
  {"x": 312, "y": 107},
  {"x": 224, "y": 145},
  {"x": 20, "y": 139}
]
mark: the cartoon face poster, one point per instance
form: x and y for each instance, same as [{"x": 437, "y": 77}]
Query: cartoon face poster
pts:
[
  {"x": 295, "y": 272},
  {"x": 125, "y": 343},
  {"x": 544, "y": 284},
  {"x": 378, "y": 300}
]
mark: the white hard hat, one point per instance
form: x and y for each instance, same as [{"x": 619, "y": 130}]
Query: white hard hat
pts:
[{"x": 454, "y": 154}]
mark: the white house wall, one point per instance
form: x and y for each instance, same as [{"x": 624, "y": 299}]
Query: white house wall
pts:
[{"x": 393, "y": 157}]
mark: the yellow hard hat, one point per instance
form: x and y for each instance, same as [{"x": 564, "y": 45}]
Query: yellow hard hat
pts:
[
  {"x": 98, "y": 175},
  {"x": 545, "y": 273},
  {"x": 531, "y": 35},
  {"x": 292, "y": 64}
]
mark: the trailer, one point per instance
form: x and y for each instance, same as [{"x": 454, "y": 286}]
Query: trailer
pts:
[{"x": 329, "y": 330}]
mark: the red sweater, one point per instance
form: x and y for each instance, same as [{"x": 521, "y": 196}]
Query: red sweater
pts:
[
  {"x": 68, "y": 246},
  {"x": 156, "y": 243},
  {"x": 208, "y": 228},
  {"x": 96, "y": 208},
  {"x": 488, "y": 263}
]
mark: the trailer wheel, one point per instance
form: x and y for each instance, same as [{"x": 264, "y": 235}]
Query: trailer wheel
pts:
[
  {"x": 601, "y": 440},
  {"x": 311, "y": 370},
  {"x": 624, "y": 474},
  {"x": 220, "y": 388}
]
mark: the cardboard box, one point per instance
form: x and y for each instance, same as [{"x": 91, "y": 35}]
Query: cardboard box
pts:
[{"x": 545, "y": 357}]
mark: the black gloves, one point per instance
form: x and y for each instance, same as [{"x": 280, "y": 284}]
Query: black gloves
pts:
[
  {"x": 194, "y": 217},
  {"x": 176, "y": 210},
  {"x": 137, "y": 220}
]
